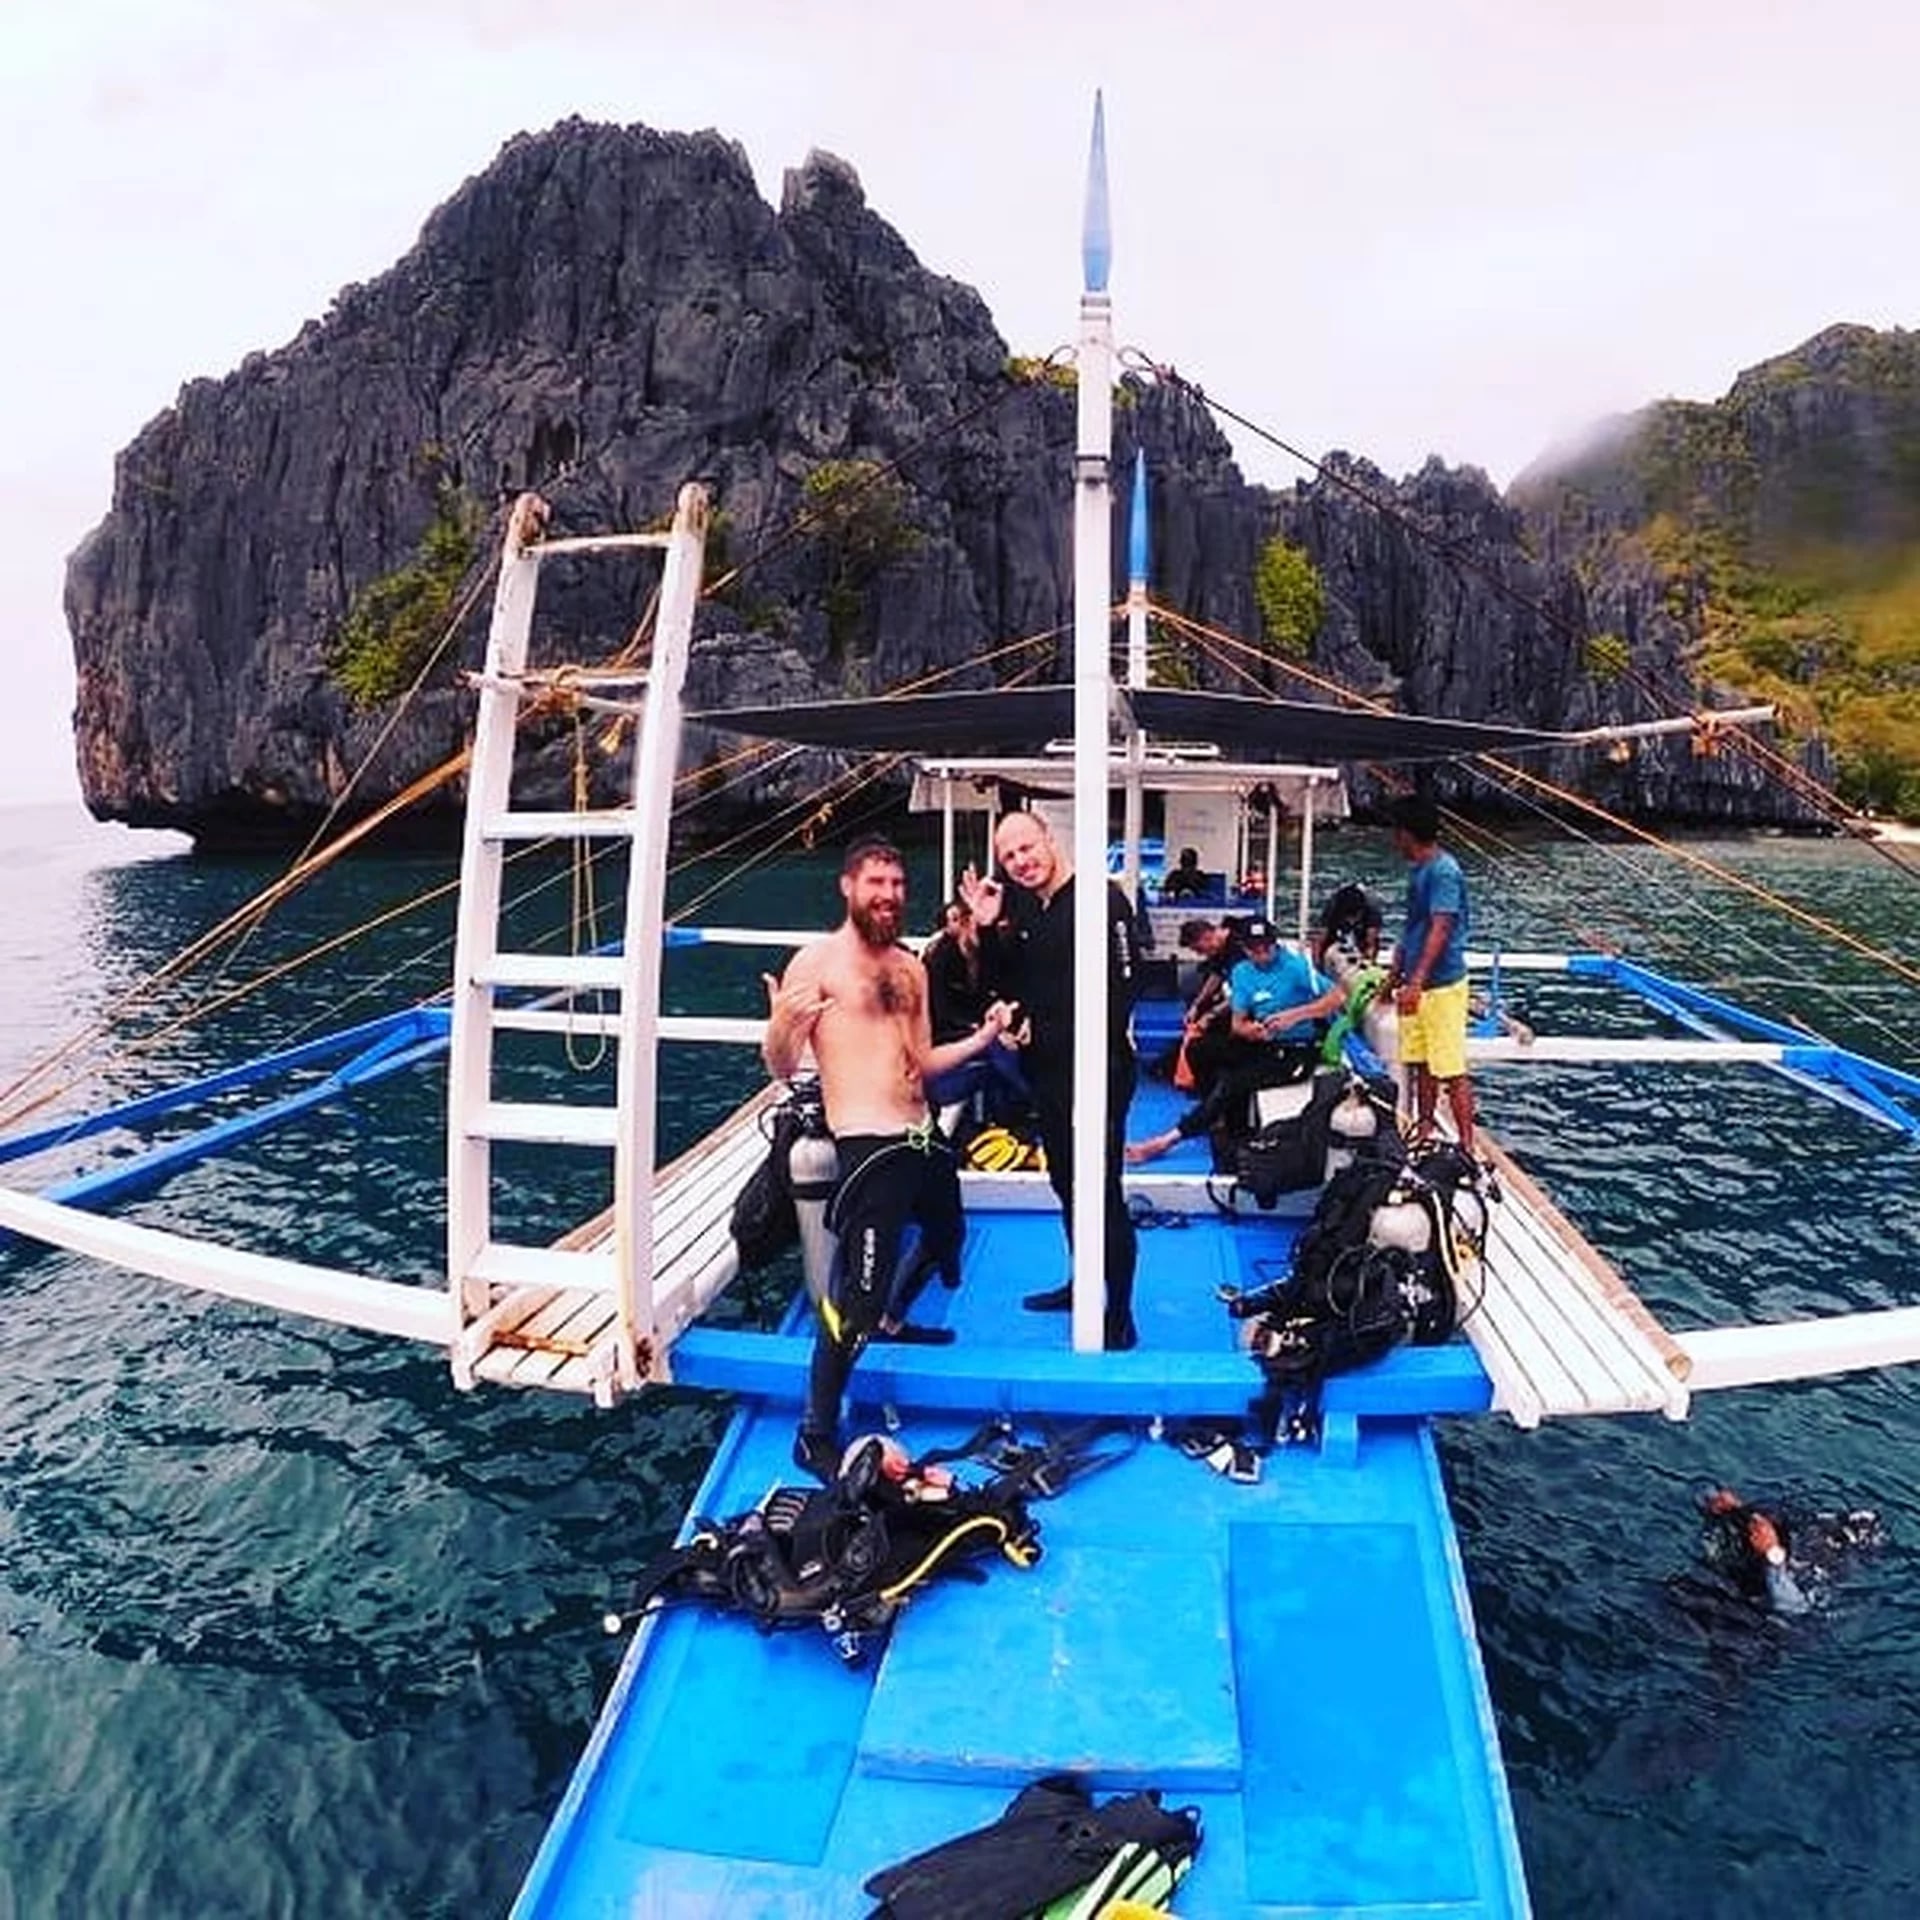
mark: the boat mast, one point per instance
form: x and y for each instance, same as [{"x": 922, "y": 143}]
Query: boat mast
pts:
[{"x": 1092, "y": 699}]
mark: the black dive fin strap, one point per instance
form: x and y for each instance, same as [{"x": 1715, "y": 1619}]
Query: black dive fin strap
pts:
[
  {"x": 1034, "y": 1469},
  {"x": 1041, "y": 1472},
  {"x": 664, "y": 1577},
  {"x": 978, "y": 1445}
]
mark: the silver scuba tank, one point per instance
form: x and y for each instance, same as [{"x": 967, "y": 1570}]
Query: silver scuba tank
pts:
[
  {"x": 813, "y": 1170},
  {"x": 1401, "y": 1221},
  {"x": 1351, "y": 1124}
]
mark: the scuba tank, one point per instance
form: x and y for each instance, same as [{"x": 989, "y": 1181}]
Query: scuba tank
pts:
[
  {"x": 1380, "y": 1027},
  {"x": 813, "y": 1171},
  {"x": 1401, "y": 1221},
  {"x": 1351, "y": 1124}
]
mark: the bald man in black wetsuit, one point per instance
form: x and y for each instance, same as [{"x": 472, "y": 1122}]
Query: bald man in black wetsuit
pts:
[{"x": 1026, "y": 930}]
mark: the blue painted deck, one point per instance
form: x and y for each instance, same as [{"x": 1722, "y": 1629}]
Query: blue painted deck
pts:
[{"x": 1294, "y": 1658}]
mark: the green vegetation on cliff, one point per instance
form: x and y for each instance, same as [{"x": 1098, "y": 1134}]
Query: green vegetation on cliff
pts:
[
  {"x": 1779, "y": 531},
  {"x": 1288, "y": 591},
  {"x": 1832, "y": 638},
  {"x": 860, "y": 517},
  {"x": 395, "y": 621}
]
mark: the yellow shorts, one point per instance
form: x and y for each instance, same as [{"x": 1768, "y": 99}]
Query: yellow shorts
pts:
[{"x": 1435, "y": 1036}]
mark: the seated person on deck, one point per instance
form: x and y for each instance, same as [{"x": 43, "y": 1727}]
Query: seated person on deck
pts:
[
  {"x": 1187, "y": 881},
  {"x": 1276, "y": 1000},
  {"x": 957, "y": 1002},
  {"x": 1350, "y": 919},
  {"x": 1207, "y": 1035}
]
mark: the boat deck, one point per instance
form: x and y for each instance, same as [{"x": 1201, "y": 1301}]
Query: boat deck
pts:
[
  {"x": 1327, "y": 1685},
  {"x": 1553, "y": 1330},
  {"x": 1326, "y": 1689}
]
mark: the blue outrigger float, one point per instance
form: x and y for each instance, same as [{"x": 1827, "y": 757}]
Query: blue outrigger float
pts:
[{"x": 1291, "y": 1652}]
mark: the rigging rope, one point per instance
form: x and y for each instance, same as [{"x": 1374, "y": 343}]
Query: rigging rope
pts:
[
  {"x": 1823, "y": 800},
  {"x": 1567, "y": 796}
]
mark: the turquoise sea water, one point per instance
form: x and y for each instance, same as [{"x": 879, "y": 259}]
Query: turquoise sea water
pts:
[{"x": 288, "y": 1626}]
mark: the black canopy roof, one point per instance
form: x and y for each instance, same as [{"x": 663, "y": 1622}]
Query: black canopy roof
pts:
[
  {"x": 1002, "y": 720},
  {"x": 1304, "y": 730},
  {"x": 1022, "y": 720}
]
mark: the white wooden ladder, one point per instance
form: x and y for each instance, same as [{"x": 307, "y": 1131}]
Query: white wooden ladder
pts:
[{"x": 489, "y": 1279}]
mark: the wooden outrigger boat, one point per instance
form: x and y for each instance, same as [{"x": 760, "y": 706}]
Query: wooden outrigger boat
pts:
[{"x": 1293, "y": 1655}]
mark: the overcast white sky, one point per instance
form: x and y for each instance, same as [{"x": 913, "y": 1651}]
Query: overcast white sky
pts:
[{"x": 1465, "y": 227}]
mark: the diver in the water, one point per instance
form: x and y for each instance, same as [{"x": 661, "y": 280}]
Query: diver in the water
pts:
[{"x": 1785, "y": 1567}]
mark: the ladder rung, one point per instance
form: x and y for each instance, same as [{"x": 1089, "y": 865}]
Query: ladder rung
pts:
[
  {"x": 601, "y": 543},
  {"x": 547, "y": 1123},
  {"x": 605, "y": 823},
  {"x": 602, "y": 970},
  {"x": 502, "y": 1264},
  {"x": 587, "y": 1023},
  {"x": 584, "y": 1022}
]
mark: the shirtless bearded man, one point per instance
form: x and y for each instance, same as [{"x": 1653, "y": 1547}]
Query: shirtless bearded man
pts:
[{"x": 859, "y": 999}]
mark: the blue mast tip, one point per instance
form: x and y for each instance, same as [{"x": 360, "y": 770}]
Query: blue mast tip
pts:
[
  {"x": 1096, "y": 234},
  {"x": 1137, "y": 523}
]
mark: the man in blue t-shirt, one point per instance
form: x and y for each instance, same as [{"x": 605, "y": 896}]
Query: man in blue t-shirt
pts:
[
  {"x": 1275, "y": 993},
  {"x": 1429, "y": 971},
  {"x": 1277, "y": 1001}
]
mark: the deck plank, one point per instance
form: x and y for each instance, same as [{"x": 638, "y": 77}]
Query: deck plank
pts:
[{"x": 1559, "y": 1330}]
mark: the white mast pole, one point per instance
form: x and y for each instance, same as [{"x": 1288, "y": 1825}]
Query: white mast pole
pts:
[{"x": 1092, "y": 594}]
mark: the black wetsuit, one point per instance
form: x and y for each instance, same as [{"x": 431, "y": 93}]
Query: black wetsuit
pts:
[
  {"x": 957, "y": 995},
  {"x": 957, "y": 1000},
  {"x": 1031, "y": 961},
  {"x": 887, "y": 1181},
  {"x": 1226, "y": 1102}
]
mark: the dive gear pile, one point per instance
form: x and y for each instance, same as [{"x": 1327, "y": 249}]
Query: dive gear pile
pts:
[
  {"x": 1386, "y": 1258},
  {"x": 848, "y": 1556}
]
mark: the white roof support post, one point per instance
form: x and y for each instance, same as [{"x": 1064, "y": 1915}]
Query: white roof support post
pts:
[
  {"x": 489, "y": 780},
  {"x": 948, "y": 879},
  {"x": 1271, "y": 874},
  {"x": 1306, "y": 866},
  {"x": 1136, "y": 671},
  {"x": 1092, "y": 636},
  {"x": 656, "y": 761}
]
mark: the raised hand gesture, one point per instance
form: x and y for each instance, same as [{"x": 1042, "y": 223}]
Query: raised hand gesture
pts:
[{"x": 984, "y": 897}]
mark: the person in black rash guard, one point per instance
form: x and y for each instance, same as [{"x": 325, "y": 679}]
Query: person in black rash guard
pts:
[
  {"x": 958, "y": 995},
  {"x": 1026, "y": 930},
  {"x": 1212, "y": 1046},
  {"x": 1351, "y": 918}
]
